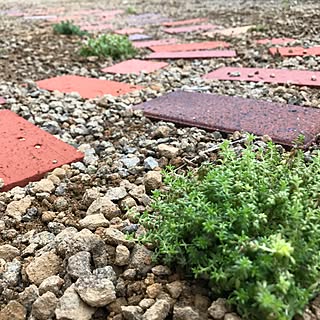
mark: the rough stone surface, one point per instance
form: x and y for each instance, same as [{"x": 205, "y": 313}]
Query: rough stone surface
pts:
[
  {"x": 79, "y": 265},
  {"x": 13, "y": 311},
  {"x": 157, "y": 311},
  {"x": 43, "y": 308}
]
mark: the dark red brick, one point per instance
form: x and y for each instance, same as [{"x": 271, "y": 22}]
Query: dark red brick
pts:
[
  {"x": 280, "y": 76},
  {"x": 87, "y": 87},
  {"x": 295, "y": 51},
  {"x": 283, "y": 123},
  {"x": 129, "y": 31},
  {"x": 205, "y": 54},
  {"x": 146, "y": 44},
  {"x": 229, "y": 32},
  {"x": 202, "y": 27},
  {"x": 27, "y": 153},
  {"x": 275, "y": 41}
]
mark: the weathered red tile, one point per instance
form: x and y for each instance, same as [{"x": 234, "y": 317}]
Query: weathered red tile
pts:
[
  {"x": 229, "y": 32},
  {"x": 295, "y": 51},
  {"x": 87, "y": 87},
  {"x": 275, "y": 41},
  {"x": 27, "y": 153},
  {"x": 283, "y": 123},
  {"x": 205, "y": 54},
  {"x": 139, "y": 37},
  {"x": 184, "y": 22},
  {"x": 135, "y": 66},
  {"x": 2, "y": 100},
  {"x": 280, "y": 76},
  {"x": 191, "y": 46},
  {"x": 146, "y": 44},
  {"x": 100, "y": 27},
  {"x": 127, "y": 31},
  {"x": 201, "y": 27},
  {"x": 110, "y": 13}
]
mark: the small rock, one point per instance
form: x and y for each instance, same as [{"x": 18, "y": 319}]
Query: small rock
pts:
[
  {"x": 12, "y": 273},
  {"x": 130, "y": 162},
  {"x": 16, "y": 209},
  {"x": 161, "y": 132},
  {"x": 175, "y": 288},
  {"x": 152, "y": 181},
  {"x": 154, "y": 290},
  {"x": 185, "y": 313},
  {"x": 131, "y": 312},
  {"x": 1, "y": 183},
  {"x": 28, "y": 296},
  {"x": 94, "y": 221},
  {"x": 52, "y": 284},
  {"x": 13, "y": 311},
  {"x": 106, "y": 272},
  {"x": 218, "y": 309},
  {"x": 116, "y": 193},
  {"x": 95, "y": 291},
  {"x": 141, "y": 259},
  {"x": 122, "y": 255},
  {"x": 231, "y": 316},
  {"x": 44, "y": 307},
  {"x": 146, "y": 303},
  {"x": 44, "y": 185},
  {"x": 158, "y": 311},
  {"x": 48, "y": 264},
  {"x": 59, "y": 172},
  {"x": 104, "y": 206},
  {"x": 79, "y": 265},
  {"x": 115, "y": 237},
  {"x": 71, "y": 307},
  {"x": 167, "y": 151},
  {"x": 8, "y": 252},
  {"x": 150, "y": 163},
  {"x": 161, "y": 271}
]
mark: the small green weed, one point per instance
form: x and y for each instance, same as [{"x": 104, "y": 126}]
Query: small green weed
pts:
[
  {"x": 131, "y": 10},
  {"x": 250, "y": 224},
  {"x": 68, "y": 28},
  {"x": 109, "y": 45}
]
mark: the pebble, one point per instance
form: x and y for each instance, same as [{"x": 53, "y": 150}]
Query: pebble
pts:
[
  {"x": 13, "y": 311},
  {"x": 94, "y": 221},
  {"x": 158, "y": 311},
  {"x": 167, "y": 151},
  {"x": 79, "y": 265},
  {"x": 44, "y": 307}
]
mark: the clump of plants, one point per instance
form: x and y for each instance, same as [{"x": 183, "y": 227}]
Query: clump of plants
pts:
[
  {"x": 68, "y": 28},
  {"x": 109, "y": 45},
  {"x": 249, "y": 224}
]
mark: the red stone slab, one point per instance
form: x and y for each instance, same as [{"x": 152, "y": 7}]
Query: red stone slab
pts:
[
  {"x": 184, "y": 22},
  {"x": 146, "y": 44},
  {"x": 201, "y": 27},
  {"x": 97, "y": 27},
  {"x": 230, "y": 32},
  {"x": 296, "y": 51},
  {"x": 283, "y": 123},
  {"x": 129, "y": 31},
  {"x": 2, "y": 100},
  {"x": 110, "y": 13},
  {"x": 275, "y": 41},
  {"x": 205, "y": 54},
  {"x": 27, "y": 153},
  {"x": 87, "y": 87},
  {"x": 135, "y": 66},
  {"x": 191, "y": 46},
  {"x": 280, "y": 76}
]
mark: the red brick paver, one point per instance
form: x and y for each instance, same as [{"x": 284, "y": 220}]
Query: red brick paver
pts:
[
  {"x": 205, "y": 54},
  {"x": 27, "y": 153},
  {"x": 86, "y": 87},
  {"x": 129, "y": 31},
  {"x": 230, "y": 32},
  {"x": 295, "y": 51},
  {"x": 191, "y": 46},
  {"x": 100, "y": 27},
  {"x": 184, "y": 22},
  {"x": 283, "y": 123},
  {"x": 135, "y": 66},
  {"x": 280, "y": 76},
  {"x": 146, "y": 44},
  {"x": 202, "y": 27},
  {"x": 275, "y": 41}
]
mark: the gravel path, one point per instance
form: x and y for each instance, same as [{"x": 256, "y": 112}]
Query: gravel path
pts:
[{"x": 64, "y": 250}]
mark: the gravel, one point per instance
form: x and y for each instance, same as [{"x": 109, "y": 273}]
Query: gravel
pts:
[{"x": 64, "y": 250}]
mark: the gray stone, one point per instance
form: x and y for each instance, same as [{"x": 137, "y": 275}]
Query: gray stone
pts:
[
  {"x": 141, "y": 258},
  {"x": 71, "y": 307},
  {"x": 115, "y": 237},
  {"x": 79, "y": 265},
  {"x": 104, "y": 206},
  {"x": 150, "y": 163},
  {"x": 146, "y": 303},
  {"x": 106, "y": 272},
  {"x": 161, "y": 271},
  {"x": 12, "y": 273},
  {"x": 185, "y": 313},
  {"x": 130, "y": 162},
  {"x": 116, "y": 193},
  {"x": 158, "y": 311},
  {"x": 52, "y": 284},
  {"x": 94, "y": 221},
  {"x": 44, "y": 307},
  {"x": 218, "y": 309},
  {"x": 28, "y": 296},
  {"x": 95, "y": 291},
  {"x": 132, "y": 312}
]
